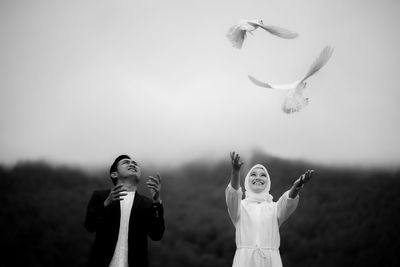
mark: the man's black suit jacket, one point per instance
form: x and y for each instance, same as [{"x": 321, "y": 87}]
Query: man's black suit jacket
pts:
[{"x": 146, "y": 219}]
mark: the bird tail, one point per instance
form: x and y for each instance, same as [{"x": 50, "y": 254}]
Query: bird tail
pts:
[
  {"x": 236, "y": 36},
  {"x": 294, "y": 103}
]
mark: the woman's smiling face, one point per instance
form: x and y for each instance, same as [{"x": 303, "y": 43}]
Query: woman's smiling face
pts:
[{"x": 258, "y": 180}]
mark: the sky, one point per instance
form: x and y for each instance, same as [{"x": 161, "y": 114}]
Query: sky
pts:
[{"x": 84, "y": 81}]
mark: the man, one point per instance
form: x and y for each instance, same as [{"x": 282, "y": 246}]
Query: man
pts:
[{"x": 122, "y": 218}]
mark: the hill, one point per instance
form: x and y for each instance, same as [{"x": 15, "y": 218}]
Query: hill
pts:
[{"x": 346, "y": 217}]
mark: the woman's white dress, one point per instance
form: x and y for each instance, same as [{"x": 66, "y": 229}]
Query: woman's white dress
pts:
[{"x": 257, "y": 228}]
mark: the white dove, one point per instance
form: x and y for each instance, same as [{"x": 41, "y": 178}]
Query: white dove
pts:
[
  {"x": 237, "y": 33},
  {"x": 294, "y": 99}
]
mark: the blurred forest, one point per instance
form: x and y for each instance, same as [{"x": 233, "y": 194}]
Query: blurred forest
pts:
[{"x": 346, "y": 216}]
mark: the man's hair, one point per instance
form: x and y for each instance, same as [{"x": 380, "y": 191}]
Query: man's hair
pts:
[{"x": 114, "y": 166}]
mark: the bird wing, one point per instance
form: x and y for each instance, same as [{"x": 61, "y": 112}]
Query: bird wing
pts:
[
  {"x": 279, "y": 31},
  {"x": 319, "y": 62},
  {"x": 289, "y": 86},
  {"x": 259, "y": 83},
  {"x": 236, "y": 36}
]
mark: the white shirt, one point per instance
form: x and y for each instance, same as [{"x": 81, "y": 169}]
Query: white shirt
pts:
[{"x": 120, "y": 258}]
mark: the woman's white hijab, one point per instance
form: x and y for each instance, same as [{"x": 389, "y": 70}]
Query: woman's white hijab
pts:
[{"x": 257, "y": 197}]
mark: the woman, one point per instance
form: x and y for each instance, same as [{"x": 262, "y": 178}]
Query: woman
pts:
[{"x": 257, "y": 218}]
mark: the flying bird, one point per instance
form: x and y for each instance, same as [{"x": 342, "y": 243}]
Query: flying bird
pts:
[
  {"x": 237, "y": 33},
  {"x": 294, "y": 99}
]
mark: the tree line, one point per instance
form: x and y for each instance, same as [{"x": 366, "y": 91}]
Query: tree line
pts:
[{"x": 346, "y": 216}]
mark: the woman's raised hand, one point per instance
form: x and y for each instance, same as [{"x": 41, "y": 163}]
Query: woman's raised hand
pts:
[
  {"x": 304, "y": 178},
  {"x": 236, "y": 161}
]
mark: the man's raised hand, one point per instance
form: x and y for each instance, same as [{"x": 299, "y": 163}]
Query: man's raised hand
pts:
[
  {"x": 116, "y": 194},
  {"x": 154, "y": 184}
]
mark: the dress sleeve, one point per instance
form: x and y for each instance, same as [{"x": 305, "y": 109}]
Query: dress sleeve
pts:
[
  {"x": 233, "y": 199},
  {"x": 286, "y": 206}
]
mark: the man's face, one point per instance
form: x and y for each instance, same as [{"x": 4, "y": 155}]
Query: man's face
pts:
[
  {"x": 258, "y": 180},
  {"x": 128, "y": 168}
]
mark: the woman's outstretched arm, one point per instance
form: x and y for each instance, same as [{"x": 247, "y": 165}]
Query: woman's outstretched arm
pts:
[
  {"x": 288, "y": 202},
  {"x": 235, "y": 175},
  {"x": 299, "y": 183},
  {"x": 233, "y": 192}
]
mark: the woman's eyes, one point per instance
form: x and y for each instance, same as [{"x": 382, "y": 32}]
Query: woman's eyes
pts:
[{"x": 254, "y": 174}]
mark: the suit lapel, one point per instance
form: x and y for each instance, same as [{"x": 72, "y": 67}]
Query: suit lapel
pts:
[
  {"x": 137, "y": 201},
  {"x": 115, "y": 214}
]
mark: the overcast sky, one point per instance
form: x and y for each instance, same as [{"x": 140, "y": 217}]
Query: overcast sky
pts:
[{"x": 84, "y": 81}]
